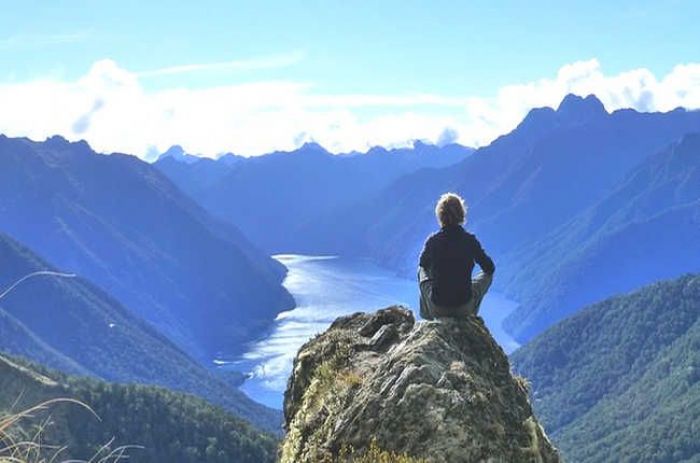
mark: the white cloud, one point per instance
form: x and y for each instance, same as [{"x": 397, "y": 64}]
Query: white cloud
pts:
[
  {"x": 267, "y": 62},
  {"x": 111, "y": 109}
]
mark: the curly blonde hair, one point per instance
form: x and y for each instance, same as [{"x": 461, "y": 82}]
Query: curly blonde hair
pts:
[{"x": 450, "y": 210}]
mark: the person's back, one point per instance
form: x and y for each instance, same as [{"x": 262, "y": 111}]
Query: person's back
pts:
[{"x": 447, "y": 262}]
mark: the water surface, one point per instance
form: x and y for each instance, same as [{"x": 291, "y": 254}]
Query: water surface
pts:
[{"x": 325, "y": 288}]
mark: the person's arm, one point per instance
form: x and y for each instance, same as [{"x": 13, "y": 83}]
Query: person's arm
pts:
[
  {"x": 481, "y": 258},
  {"x": 425, "y": 262},
  {"x": 426, "y": 257}
]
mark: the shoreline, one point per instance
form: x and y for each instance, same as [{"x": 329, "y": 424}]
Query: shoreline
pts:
[{"x": 324, "y": 288}]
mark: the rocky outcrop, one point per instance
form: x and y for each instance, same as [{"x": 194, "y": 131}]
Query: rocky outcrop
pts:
[{"x": 438, "y": 391}]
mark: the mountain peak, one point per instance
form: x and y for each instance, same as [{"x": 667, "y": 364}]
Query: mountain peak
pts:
[
  {"x": 538, "y": 120},
  {"x": 420, "y": 144},
  {"x": 61, "y": 147},
  {"x": 230, "y": 159},
  {"x": 576, "y": 109},
  {"x": 56, "y": 140},
  {"x": 178, "y": 153},
  {"x": 175, "y": 150},
  {"x": 312, "y": 146},
  {"x": 311, "y": 150},
  {"x": 382, "y": 381},
  {"x": 377, "y": 150}
]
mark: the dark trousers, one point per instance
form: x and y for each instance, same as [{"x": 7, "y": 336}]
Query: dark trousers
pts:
[{"x": 429, "y": 310}]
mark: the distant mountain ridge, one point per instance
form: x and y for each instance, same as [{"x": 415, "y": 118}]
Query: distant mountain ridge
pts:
[
  {"x": 118, "y": 222},
  {"x": 177, "y": 153},
  {"x": 272, "y": 197},
  {"x": 554, "y": 166},
  {"x": 646, "y": 229},
  {"x": 620, "y": 380}
]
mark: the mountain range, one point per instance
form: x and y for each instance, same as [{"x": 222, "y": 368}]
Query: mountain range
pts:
[
  {"x": 74, "y": 326},
  {"x": 122, "y": 225},
  {"x": 576, "y": 204},
  {"x": 646, "y": 229},
  {"x": 275, "y": 196},
  {"x": 549, "y": 172},
  {"x": 620, "y": 380},
  {"x": 568, "y": 203}
]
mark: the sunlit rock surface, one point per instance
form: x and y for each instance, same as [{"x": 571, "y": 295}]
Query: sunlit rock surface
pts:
[{"x": 437, "y": 391}]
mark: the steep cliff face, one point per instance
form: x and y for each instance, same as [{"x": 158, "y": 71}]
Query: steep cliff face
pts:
[{"x": 431, "y": 391}]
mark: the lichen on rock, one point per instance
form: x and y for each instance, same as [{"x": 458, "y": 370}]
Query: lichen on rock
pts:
[{"x": 438, "y": 391}]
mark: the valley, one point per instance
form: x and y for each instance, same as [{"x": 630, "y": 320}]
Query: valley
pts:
[
  {"x": 325, "y": 288},
  {"x": 206, "y": 276},
  {"x": 220, "y": 224}
]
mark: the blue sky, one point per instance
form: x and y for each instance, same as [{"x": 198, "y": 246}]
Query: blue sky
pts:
[{"x": 454, "y": 50}]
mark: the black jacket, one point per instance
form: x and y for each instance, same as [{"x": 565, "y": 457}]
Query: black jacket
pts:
[{"x": 448, "y": 257}]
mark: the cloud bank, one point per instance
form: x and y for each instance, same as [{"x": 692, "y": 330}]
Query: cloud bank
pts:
[{"x": 111, "y": 109}]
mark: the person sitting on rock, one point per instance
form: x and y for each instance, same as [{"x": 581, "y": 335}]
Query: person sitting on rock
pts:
[{"x": 446, "y": 264}]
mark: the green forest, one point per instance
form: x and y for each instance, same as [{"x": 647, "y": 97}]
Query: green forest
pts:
[
  {"x": 155, "y": 425},
  {"x": 620, "y": 380}
]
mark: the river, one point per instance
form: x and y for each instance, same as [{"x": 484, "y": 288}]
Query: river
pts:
[{"x": 325, "y": 288}]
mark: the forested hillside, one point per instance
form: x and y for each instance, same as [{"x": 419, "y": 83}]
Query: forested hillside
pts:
[
  {"x": 119, "y": 223},
  {"x": 620, "y": 380},
  {"x": 71, "y": 325},
  {"x": 646, "y": 229},
  {"x": 155, "y": 424}
]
